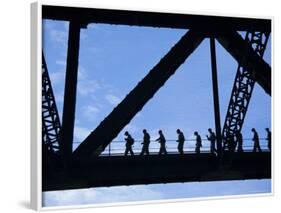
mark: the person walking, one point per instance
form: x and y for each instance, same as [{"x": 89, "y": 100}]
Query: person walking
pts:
[
  {"x": 180, "y": 141},
  {"x": 198, "y": 144},
  {"x": 129, "y": 143},
  {"x": 239, "y": 139},
  {"x": 212, "y": 138},
  {"x": 145, "y": 143},
  {"x": 162, "y": 142},
  {"x": 256, "y": 141}
]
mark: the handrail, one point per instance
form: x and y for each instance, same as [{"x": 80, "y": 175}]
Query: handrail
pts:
[
  {"x": 117, "y": 147},
  {"x": 167, "y": 140}
]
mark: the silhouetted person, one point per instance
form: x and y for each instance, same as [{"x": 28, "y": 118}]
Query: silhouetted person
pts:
[
  {"x": 212, "y": 139},
  {"x": 198, "y": 144},
  {"x": 180, "y": 140},
  {"x": 145, "y": 143},
  {"x": 268, "y": 138},
  {"x": 256, "y": 141},
  {"x": 239, "y": 139},
  {"x": 129, "y": 142},
  {"x": 162, "y": 142}
]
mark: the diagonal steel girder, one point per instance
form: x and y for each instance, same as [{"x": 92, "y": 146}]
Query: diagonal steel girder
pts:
[
  {"x": 247, "y": 58},
  {"x": 110, "y": 127}
]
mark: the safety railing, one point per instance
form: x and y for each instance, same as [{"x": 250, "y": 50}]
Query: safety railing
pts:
[{"x": 118, "y": 147}]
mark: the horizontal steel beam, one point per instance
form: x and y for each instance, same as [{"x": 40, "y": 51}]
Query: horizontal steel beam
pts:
[
  {"x": 111, "y": 126},
  {"x": 120, "y": 170},
  {"x": 154, "y": 19},
  {"x": 247, "y": 58}
]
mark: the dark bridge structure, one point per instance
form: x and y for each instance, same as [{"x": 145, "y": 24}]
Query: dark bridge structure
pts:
[{"x": 87, "y": 167}]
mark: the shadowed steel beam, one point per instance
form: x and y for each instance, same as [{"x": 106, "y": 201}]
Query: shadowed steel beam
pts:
[
  {"x": 246, "y": 57},
  {"x": 110, "y": 127},
  {"x": 114, "y": 170},
  {"x": 154, "y": 19},
  {"x": 216, "y": 95},
  {"x": 68, "y": 116}
]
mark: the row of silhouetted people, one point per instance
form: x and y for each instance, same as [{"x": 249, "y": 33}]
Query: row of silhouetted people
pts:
[
  {"x": 231, "y": 142},
  {"x": 236, "y": 141}
]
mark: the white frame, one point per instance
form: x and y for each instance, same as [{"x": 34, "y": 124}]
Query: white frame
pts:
[
  {"x": 36, "y": 94},
  {"x": 36, "y": 111}
]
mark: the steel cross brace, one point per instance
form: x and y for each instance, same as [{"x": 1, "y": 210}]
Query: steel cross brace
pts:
[
  {"x": 243, "y": 88},
  {"x": 109, "y": 128}
]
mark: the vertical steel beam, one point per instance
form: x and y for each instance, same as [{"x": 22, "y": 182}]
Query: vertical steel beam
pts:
[
  {"x": 216, "y": 95},
  {"x": 69, "y": 103}
]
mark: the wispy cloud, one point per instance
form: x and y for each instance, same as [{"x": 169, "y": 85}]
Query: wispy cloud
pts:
[
  {"x": 61, "y": 62},
  {"x": 99, "y": 27},
  {"x": 59, "y": 97},
  {"x": 131, "y": 128},
  {"x": 82, "y": 73},
  {"x": 100, "y": 195},
  {"x": 93, "y": 26},
  {"x": 154, "y": 192},
  {"x": 88, "y": 87},
  {"x": 80, "y": 133},
  {"x": 90, "y": 112},
  {"x": 57, "y": 77},
  {"x": 83, "y": 34},
  {"x": 127, "y": 194},
  {"x": 113, "y": 99},
  {"x": 58, "y": 33},
  {"x": 59, "y": 36}
]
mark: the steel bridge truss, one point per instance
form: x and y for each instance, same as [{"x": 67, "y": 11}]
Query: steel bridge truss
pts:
[
  {"x": 51, "y": 125},
  {"x": 242, "y": 89},
  {"x": 84, "y": 167}
]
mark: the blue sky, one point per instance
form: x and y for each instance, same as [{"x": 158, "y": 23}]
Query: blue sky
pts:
[{"x": 113, "y": 59}]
